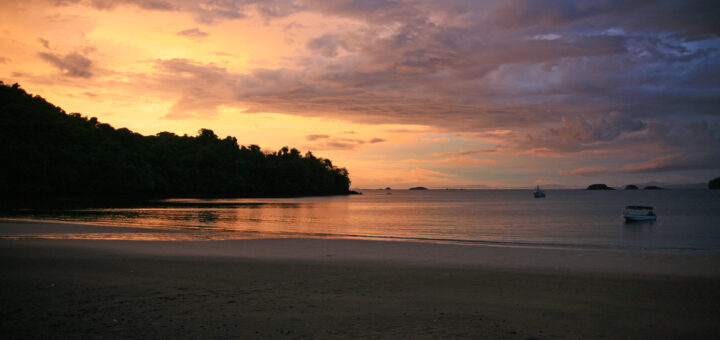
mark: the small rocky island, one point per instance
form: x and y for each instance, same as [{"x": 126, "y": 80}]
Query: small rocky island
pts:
[
  {"x": 418, "y": 188},
  {"x": 653, "y": 187},
  {"x": 631, "y": 187},
  {"x": 599, "y": 187},
  {"x": 714, "y": 184}
]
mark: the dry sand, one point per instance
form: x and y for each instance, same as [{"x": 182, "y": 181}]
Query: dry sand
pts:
[{"x": 323, "y": 288}]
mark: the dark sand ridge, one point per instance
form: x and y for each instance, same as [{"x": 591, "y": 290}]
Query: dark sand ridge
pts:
[{"x": 320, "y": 288}]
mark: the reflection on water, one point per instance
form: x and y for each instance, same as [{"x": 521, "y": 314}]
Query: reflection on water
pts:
[
  {"x": 639, "y": 224},
  {"x": 121, "y": 236},
  {"x": 687, "y": 219}
]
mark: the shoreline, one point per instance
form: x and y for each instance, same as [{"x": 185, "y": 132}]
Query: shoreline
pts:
[
  {"x": 695, "y": 263},
  {"x": 46, "y": 228},
  {"x": 349, "y": 289}
]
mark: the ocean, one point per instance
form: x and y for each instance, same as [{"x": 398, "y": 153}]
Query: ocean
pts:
[{"x": 687, "y": 219}]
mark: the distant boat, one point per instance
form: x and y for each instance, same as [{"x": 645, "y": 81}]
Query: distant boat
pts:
[
  {"x": 639, "y": 213},
  {"x": 538, "y": 193}
]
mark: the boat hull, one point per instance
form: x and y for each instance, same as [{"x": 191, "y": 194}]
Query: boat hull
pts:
[{"x": 630, "y": 217}]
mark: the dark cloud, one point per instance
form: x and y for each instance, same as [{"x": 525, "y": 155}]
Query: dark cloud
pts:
[
  {"x": 577, "y": 134},
  {"x": 691, "y": 18},
  {"x": 350, "y": 87},
  {"x": 62, "y": 3},
  {"x": 675, "y": 162},
  {"x": 664, "y": 147},
  {"x": 335, "y": 145},
  {"x": 463, "y": 153},
  {"x": 375, "y": 11},
  {"x": 679, "y": 137},
  {"x": 193, "y": 33},
  {"x": 316, "y": 137},
  {"x": 277, "y": 8},
  {"x": 694, "y": 19},
  {"x": 669, "y": 163},
  {"x": 450, "y": 77},
  {"x": 293, "y": 26},
  {"x": 521, "y": 13},
  {"x": 158, "y": 5},
  {"x": 327, "y": 142},
  {"x": 44, "y": 42},
  {"x": 630, "y": 83},
  {"x": 326, "y": 45},
  {"x": 211, "y": 12},
  {"x": 204, "y": 11},
  {"x": 72, "y": 65},
  {"x": 528, "y": 75}
]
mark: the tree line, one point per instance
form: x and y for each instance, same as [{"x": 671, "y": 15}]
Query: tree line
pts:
[{"x": 47, "y": 152}]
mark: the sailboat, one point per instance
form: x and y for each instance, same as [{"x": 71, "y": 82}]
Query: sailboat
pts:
[{"x": 538, "y": 193}]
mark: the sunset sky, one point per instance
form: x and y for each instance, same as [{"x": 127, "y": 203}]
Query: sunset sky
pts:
[{"x": 503, "y": 94}]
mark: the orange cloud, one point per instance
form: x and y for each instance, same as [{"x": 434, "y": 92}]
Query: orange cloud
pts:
[{"x": 469, "y": 161}]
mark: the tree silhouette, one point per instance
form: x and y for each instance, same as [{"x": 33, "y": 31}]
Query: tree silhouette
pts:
[{"x": 46, "y": 152}]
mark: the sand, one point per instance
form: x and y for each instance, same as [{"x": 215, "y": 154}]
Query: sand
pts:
[{"x": 329, "y": 288}]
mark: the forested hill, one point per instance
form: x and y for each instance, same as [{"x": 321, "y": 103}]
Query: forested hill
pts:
[{"x": 45, "y": 152}]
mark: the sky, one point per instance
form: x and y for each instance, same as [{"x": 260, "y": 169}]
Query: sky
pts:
[{"x": 442, "y": 94}]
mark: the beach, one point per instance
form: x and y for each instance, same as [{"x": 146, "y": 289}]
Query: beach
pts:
[{"x": 344, "y": 288}]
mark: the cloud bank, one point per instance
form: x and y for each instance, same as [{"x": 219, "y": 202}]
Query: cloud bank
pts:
[{"x": 538, "y": 78}]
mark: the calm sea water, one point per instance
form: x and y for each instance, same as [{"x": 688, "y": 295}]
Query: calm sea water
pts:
[{"x": 687, "y": 219}]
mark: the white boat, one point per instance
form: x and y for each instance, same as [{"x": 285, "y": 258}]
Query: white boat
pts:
[
  {"x": 639, "y": 213},
  {"x": 538, "y": 193}
]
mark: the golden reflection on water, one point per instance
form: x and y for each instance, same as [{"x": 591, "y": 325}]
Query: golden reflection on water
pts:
[
  {"x": 121, "y": 236},
  {"x": 126, "y": 237},
  {"x": 211, "y": 221},
  {"x": 508, "y": 217}
]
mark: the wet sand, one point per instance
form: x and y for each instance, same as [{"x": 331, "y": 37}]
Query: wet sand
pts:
[{"x": 322, "y": 288}]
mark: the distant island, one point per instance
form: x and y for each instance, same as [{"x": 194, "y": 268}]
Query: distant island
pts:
[
  {"x": 631, "y": 187},
  {"x": 599, "y": 187},
  {"x": 653, "y": 187},
  {"x": 714, "y": 184},
  {"x": 418, "y": 188},
  {"x": 47, "y": 153}
]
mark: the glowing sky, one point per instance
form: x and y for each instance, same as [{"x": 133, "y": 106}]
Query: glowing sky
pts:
[{"x": 402, "y": 93}]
